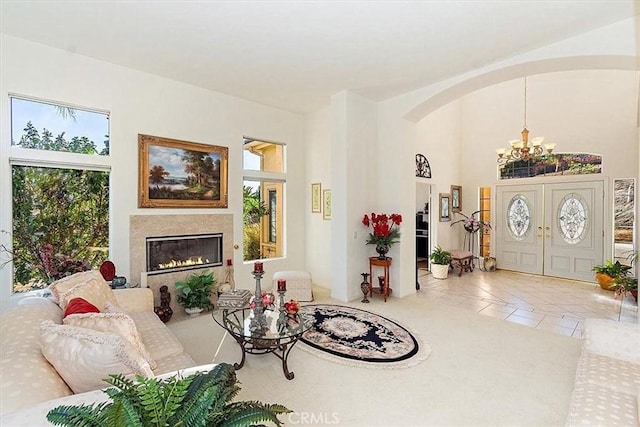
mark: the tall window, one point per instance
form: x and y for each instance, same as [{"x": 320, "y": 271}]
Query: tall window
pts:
[
  {"x": 60, "y": 210},
  {"x": 485, "y": 216},
  {"x": 263, "y": 195}
]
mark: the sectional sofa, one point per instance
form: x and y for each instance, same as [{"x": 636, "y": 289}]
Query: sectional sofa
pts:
[{"x": 47, "y": 358}]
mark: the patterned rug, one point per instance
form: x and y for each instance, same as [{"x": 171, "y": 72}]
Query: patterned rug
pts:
[{"x": 356, "y": 337}]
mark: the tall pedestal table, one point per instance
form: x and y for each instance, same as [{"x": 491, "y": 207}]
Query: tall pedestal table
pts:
[{"x": 374, "y": 261}]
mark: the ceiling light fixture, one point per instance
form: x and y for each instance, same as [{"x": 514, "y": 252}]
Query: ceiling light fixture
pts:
[{"x": 523, "y": 149}]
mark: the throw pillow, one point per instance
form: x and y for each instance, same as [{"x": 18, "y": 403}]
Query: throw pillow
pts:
[
  {"x": 95, "y": 290},
  {"x": 83, "y": 357},
  {"x": 63, "y": 285},
  {"x": 110, "y": 308},
  {"x": 79, "y": 306},
  {"x": 117, "y": 323}
]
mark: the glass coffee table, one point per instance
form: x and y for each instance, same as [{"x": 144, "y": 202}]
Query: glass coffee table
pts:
[{"x": 260, "y": 332}]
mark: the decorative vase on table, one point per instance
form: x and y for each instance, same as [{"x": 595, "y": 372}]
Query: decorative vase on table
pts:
[{"x": 382, "y": 250}]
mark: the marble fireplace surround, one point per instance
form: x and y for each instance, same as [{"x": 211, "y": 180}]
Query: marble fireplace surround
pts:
[{"x": 143, "y": 226}]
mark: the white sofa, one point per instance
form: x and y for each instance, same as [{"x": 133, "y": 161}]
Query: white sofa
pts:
[
  {"x": 27, "y": 378},
  {"x": 607, "y": 386}
]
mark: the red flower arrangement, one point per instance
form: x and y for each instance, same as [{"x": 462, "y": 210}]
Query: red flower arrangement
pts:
[{"x": 385, "y": 228}]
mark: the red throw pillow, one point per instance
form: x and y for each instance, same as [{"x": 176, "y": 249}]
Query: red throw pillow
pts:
[
  {"x": 80, "y": 306},
  {"x": 108, "y": 270}
]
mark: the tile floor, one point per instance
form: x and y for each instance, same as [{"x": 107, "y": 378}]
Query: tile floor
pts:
[{"x": 558, "y": 305}]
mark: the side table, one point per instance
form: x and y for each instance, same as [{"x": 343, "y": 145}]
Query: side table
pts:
[{"x": 374, "y": 261}]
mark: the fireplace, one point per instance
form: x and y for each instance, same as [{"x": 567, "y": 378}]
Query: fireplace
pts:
[{"x": 167, "y": 254}]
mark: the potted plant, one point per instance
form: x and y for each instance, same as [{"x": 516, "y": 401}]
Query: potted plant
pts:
[
  {"x": 607, "y": 273},
  {"x": 440, "y": 260},
  {"x": 626, "y": 284},
  {"x": 385, "y": 231},
  {"x": 196, "y": 290},
  {"x": 203, "y": 398}
]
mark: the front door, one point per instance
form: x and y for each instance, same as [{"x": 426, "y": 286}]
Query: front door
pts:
[
  {"x": 573, "y": 231},
  {"x": 551, "y": 229},
  {"x": 519, "y": 221}
]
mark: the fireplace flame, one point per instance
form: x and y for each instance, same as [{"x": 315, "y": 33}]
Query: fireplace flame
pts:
[{"x": 182, "y": 263}]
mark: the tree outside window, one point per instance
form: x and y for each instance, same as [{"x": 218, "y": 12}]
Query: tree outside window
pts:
[
  {"x": 60, "y": 212},
  {"x": 263, "y": 193}
]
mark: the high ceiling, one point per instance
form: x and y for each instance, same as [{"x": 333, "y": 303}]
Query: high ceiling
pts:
[{"x": 294, "y": 55}]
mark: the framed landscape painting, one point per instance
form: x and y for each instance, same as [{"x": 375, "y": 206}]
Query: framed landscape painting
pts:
[{"x": 181, "y": 174}]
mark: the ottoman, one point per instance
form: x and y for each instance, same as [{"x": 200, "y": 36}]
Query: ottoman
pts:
[
  {"x": 462, "y": 260},
  {"x": 298, "y": 284}
]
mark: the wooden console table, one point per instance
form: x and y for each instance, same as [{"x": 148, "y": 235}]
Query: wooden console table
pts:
[{"x": 385, "y": 264}]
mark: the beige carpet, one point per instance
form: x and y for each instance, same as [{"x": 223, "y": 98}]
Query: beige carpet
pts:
[{"x": 482, "y": 372}]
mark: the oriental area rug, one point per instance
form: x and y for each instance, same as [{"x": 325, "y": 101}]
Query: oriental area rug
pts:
[{"x": 360, "y": 338}]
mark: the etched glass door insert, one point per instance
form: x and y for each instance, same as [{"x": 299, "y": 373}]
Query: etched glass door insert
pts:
[
  {"x": 572, "y": 218},
  {"x": 518, "y": 217}
]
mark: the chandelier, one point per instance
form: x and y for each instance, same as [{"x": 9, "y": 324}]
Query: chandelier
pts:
[{"x": 523, "y": 149}]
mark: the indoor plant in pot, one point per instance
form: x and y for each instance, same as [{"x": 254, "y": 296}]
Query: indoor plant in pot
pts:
[
  {"x": 440, "y": 260},
  {"x": 607, "y": 273},
  {"x": 196, "y": 290},
  {"x": 385, "y": 231}
]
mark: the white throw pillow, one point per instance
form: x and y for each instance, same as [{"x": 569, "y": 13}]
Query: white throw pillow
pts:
[
  {"x": 94, "y": 289},
  {"x": 110, "y": 308},
  {"x": 84, "y": 358},
  {"x": 63, "y": 285},
  {"x": 117, "y": 323}
]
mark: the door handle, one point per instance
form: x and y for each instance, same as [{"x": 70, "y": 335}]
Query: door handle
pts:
[
  {"x": 548, "y": 234},
  {"x": 539, "y": 231}
]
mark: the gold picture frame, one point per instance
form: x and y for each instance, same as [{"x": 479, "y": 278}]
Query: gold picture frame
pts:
[
  {"x": 181, "y": 174},
  {"x": 326, "y": 204},
  {"x": 445, "y": 207},
  {"x": 316, "y": 197},
  {"x": 456, "y": 198}
]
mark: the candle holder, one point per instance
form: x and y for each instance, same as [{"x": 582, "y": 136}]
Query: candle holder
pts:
[
  {"x": 258, "y": 295},
  {"x": 282, "y": 315}
]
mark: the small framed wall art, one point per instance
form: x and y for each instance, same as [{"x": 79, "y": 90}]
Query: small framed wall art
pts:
[
  {"x": 316, "y": 198},
  {"x": 456, "y": 198},
  {"x": 326, "y": 204},
  {"x": 445, "y": 207}
]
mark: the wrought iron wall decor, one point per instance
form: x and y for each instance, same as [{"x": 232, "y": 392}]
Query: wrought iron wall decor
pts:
[{"x": 423, "y": 170}]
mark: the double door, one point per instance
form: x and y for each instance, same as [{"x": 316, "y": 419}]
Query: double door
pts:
[{"x": 550, "y": 229}]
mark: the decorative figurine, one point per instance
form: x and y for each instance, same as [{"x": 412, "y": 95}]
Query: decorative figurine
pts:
[
  {"x": 164, "y": 311},
  {"x": 365, "y": 286}
]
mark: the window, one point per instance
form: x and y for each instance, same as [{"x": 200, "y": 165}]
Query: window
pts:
[
  {"x": 485, "y": 217},
  {"x": 263, "y": 195},
  {"x": 273, "y": 210},
  {"x": 60, "y": 210}
]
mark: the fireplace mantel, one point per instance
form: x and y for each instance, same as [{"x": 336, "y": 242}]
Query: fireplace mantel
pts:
[{"x": 143, "y": 226}]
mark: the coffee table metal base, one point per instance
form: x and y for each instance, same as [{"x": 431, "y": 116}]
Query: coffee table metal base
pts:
[{"x": 278, "y": 348}]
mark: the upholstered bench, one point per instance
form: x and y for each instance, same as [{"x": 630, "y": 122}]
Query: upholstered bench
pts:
[
  {"x": 461, "y": 259},
  {"x": 298, "y": 284}
]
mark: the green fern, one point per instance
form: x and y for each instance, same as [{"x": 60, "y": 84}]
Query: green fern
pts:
[
  {"x": 249, "y": 414},
  {"x": 199, "y": 400},
  {"x": 78, "y": 416}
]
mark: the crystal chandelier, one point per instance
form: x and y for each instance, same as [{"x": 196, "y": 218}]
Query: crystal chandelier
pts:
[{"x": 523, "y": 149}]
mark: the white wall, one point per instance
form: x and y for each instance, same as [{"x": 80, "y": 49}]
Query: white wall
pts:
[
  {"x": 438, "y": 138},
  {"x": 317, "y": 236},
  {"x": 592, "y": 111},
  {"x": 143, "y": 103}
]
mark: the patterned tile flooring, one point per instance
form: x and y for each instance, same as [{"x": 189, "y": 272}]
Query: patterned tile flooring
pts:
[{"x": 558, "y": 305}]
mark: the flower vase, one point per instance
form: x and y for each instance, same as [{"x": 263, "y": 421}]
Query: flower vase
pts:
[
  {"x": 365, "y": 287},
  {"x": 382, "y": 250}
]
